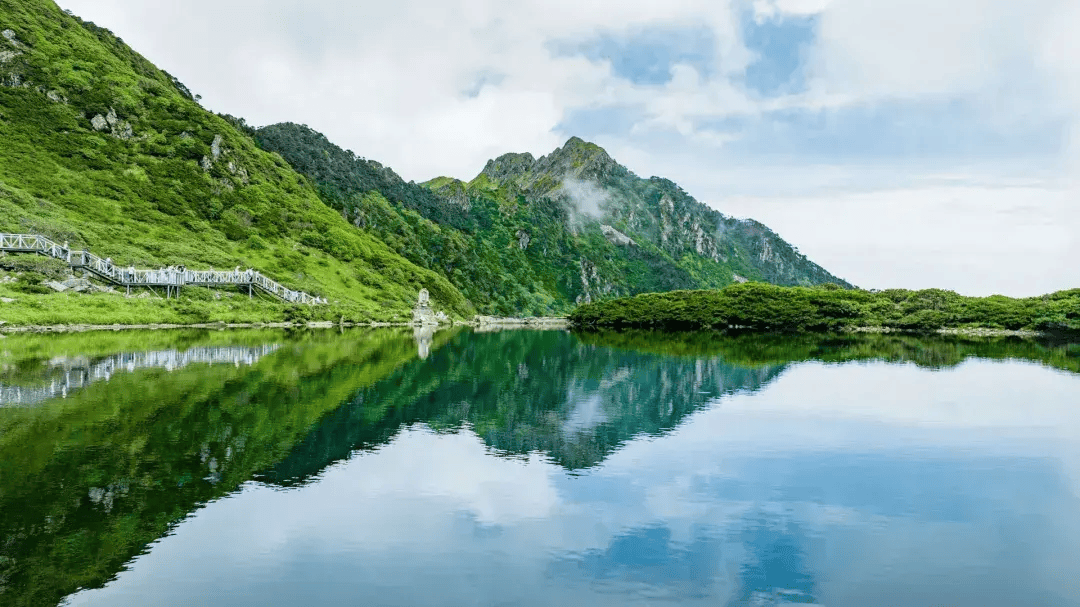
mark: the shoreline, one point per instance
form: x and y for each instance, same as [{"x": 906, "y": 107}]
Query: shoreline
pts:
[
  {"x": 479, "y": 323},
  {"x": 957, "y": 331}
]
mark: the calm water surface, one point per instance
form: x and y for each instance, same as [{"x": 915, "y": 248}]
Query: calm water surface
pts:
[{"x": 537, "y": 468}]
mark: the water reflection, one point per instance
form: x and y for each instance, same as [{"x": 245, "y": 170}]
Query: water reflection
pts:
[
  {"x": 66, "y": 374},
  {"x": 533, "y": 468}
]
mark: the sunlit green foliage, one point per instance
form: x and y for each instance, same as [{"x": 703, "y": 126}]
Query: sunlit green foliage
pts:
[
  {"x": 167, "y": 194},
  {"x": 768, "y": 307},
  {"x": 513, "y": 245}
]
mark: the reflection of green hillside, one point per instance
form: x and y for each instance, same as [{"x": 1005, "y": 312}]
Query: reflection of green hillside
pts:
[
  {"x": 37, "y": 368},
  {"x": 524, "y": 392},
  {"x": 748, "y": 349},
  {"x": 88, "y": 481}
]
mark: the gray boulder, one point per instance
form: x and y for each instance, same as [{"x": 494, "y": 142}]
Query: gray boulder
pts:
[{"x": 78, "y": 285}]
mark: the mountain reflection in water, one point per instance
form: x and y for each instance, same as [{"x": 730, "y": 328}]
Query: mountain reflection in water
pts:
[{"x": 393, "y": 468}]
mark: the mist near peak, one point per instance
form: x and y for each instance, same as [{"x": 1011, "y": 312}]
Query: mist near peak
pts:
[{"x": 588, "y": 198}]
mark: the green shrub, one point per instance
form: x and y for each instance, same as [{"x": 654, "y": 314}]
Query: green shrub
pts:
[
  {"x": 768, "y": 307},
  {"x": 30, "y": 282}
]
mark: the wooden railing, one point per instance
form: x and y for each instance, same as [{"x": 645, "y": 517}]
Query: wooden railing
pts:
[{"x": 172, "y": 277}]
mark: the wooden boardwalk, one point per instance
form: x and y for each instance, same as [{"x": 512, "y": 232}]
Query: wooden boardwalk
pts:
[{"x": 172, "y": 279}]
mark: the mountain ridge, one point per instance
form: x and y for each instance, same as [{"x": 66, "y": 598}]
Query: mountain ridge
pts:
[
  {"x": 108, "y": 152},
  {"x": 621, "y": 234}
]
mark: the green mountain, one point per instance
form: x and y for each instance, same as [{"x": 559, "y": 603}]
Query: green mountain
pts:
[
  {"x": 105, "y": 151},
  {"x": 537, "y": 236}
]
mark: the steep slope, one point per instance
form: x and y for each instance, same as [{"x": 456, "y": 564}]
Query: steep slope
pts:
[
  {"x": 657, "y": 211},
  {"x": 535, "y": 236},
  {"x": 104, "y": 150}
]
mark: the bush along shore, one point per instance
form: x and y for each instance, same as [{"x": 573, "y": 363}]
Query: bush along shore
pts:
[{"x": 764, "y": 307}]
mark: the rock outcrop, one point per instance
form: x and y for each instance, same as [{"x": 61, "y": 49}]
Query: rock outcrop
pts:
[{"x": 424, "y": 315}]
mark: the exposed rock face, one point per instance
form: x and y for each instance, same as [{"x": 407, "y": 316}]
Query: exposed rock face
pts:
[
  {"x": 10, "y": 50},
  {"x": 78, "y": 285},
  {"x": 616, "y": 237},
  {"x": 577, "y": 160},
  {"x": 124, "y": 130},
  {"x": 120, "y": 129},
  {"x": 593, "y": 285},
  {"x": 523, "y": 239},
  {"x": 655, "y": 211},
  {"x": 508, "y": 165},
  {"x": 215, "y": 147},
  {"x": 75, "y": 285},
  {"x": 423, "y": 314}
]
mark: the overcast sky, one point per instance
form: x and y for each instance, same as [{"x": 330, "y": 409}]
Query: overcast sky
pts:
[{"x": 911, "y": 143}]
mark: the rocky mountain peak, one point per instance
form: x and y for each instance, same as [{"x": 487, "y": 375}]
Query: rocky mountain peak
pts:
[
  {"x": 577, "y": 159},
  {"x": 509, "y": 166}
]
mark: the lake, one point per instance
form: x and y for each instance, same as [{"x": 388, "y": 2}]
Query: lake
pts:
[{"x": 393, "y": 467}]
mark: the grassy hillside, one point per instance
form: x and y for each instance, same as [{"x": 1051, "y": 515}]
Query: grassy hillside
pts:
[
  {"x": 536, "y": 236},
  {"x": 106, "y": 151},
  {"x": 768, "y": 307}
]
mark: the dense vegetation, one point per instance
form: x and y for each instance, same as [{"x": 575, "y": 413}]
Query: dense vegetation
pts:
[
  {"x": 105, "y": 151},
  {"x": 529, "y": 236},
  {"x": 772, "y": 308}
]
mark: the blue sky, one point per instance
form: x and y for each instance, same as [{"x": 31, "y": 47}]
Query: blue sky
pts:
[
  {"x": 950, "y": 128},
  {"x": 753, "y": 106}
]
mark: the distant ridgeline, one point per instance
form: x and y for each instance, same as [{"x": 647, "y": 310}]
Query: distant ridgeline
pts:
[
  {"x": 768, "y": 307},
  {"x": 534, "y": 236}
]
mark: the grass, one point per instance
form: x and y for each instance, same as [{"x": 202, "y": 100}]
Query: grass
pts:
[{"x": 148, "y": 201}]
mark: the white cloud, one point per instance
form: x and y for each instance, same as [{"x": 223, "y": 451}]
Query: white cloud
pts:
[
  {"x": 387, "y": 80},
  {"x": 976, "y": 240},
  {"x": 1060, "y": 49}
]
